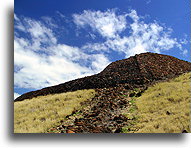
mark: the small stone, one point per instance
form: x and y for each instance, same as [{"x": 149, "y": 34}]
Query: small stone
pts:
[
  {"x": 70, "y": 131},
  {"x": 168, "y": 113}
]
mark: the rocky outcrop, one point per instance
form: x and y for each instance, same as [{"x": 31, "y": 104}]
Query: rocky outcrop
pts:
[{"x": 136, "y": 71}]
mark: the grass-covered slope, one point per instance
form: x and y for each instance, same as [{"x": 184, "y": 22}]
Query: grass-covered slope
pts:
[
  {"x": 164, "y": 107},
  {"x": 39, "y": 114}
]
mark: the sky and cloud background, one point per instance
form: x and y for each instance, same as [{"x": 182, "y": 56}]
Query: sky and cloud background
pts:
[{"x": 56, "y": 40}]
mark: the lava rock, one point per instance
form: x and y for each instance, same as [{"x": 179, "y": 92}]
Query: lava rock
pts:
[{"x": 136, "y": 71}]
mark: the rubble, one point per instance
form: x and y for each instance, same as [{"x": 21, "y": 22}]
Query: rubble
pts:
[
  {"x": 136, "y": 71},
  {"x": 101, "y": 114}
]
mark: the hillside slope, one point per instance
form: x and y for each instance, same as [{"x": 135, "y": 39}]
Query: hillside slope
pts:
[
  {"x": 39, "y": 114},
  {"x": 162, "y": 108},
  {"x": 136, "y": 71}
]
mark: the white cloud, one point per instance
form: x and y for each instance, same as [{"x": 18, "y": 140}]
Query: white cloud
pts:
[
  {"x": 184, "y": 41},
  {"x": 95, "y": 47},
  {"x": 107, "y": 23},
  {"x": 49, "y": 21},
  {"x": 133, "y": 15},
  {"x": 185, "y": 52},
  {"x": 142, "y": 37},
  {"x": 42, "y": 61},
  {"x": 18, "y": 24},
  {"x": 100, "y": 62},
  {"x": 16, "y": 95}
]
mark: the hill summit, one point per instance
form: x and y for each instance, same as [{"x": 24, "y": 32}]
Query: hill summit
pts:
[{"x": 133, "y": 72}]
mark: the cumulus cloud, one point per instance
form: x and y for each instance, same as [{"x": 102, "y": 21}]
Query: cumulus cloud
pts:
[
  {"x": 41, "y": 61},
  {"x": 107, "y": 23},
  {"x": 140, "y": 37}
]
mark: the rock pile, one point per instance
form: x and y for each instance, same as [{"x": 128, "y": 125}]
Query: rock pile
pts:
[{"x": 136, "y": 71}]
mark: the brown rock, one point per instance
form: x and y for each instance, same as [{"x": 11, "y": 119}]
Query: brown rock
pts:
[
  {"x": 70, "y": 131},
  {"x": 134, "y": 72}
]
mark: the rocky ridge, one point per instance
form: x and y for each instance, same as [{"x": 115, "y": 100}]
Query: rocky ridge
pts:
[
  {"x": 102, "y": 114},
  {"x": 135, "y": 72}
]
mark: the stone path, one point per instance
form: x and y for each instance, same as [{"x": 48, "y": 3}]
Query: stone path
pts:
[{"x": 102, "y": 114}]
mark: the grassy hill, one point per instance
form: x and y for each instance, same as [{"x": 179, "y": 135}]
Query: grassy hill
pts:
[
  {"x": 162, "y": 108},
  {"x": 41, "y": 113}
]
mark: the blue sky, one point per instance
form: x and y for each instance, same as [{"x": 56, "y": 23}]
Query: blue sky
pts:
[{"x": 58, "y": 40}]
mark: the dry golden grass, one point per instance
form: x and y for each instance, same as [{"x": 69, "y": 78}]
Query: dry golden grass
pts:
[
  {"x": 41, "y": 113},
  {"x": 165, "y": 107}
]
